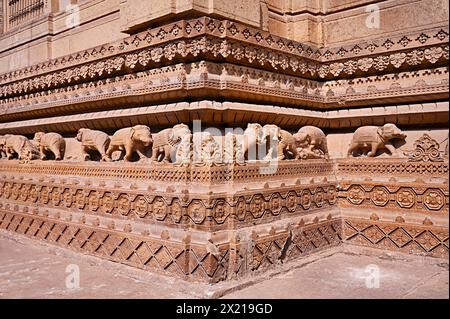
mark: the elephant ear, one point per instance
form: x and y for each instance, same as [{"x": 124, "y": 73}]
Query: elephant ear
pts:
[
  {"x": 386, "y": 131},
  {"x": 132, "y": 131},
  {"x": 171, "y": 135}
]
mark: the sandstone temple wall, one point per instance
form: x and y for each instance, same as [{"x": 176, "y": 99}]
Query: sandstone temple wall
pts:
[{"x": 324, "y": 130}]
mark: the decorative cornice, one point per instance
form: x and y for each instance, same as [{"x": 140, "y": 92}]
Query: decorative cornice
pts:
[
  {"x": 233, "y": 114},
  {"x": 214, "y": 39},
  {"x": 208, "y": 80}
]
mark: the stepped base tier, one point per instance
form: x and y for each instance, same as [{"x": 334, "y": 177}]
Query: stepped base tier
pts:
[
  {"x": 217, "y": 223},
  {"x": 217, "y": 141}
]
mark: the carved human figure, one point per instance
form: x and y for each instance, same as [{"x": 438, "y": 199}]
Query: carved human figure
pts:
[
  {"x": 165, "y": 143},
  {"x": 20, "y": 146},
  {"x": 311, "y": 142},
  {"x": 372, "y": 138},
  {"x": 205, "y": 148},
  {"x": 92, "y": 140},
  {"x": 131, "y": 140},
  {"x": 282, "y": 140},
  {"x": 251, "y": 142},
  {"x": 232, "y": 149},
  {"x": 184, "y": 150},
  {"x": 50, "y": 142}
]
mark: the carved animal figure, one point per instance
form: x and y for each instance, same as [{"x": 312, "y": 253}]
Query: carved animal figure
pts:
[
  {"x": 165, "y": 142},
  {"x": 281, "y": 139},
  {"x": 50, "y": 142},
  {"x": 92, "y": 140},
  {"x": 2, "y": 146},
  {"x": 372, "y": 138},
  {"x": 251, "y": 144},
  {"x": 21, "y": 147},
  {"x": 311, "y": 142},
  {"x": 131, "y": 140}
]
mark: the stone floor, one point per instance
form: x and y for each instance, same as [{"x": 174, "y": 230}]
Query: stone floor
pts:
[{"x": 30, "y": 269}]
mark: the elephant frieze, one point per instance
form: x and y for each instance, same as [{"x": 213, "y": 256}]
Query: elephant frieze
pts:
[
  {"x": 166, "y": 142},
  {"x": 131, "y": 140},
  {"x": 280, "y": 141},
  {"x": 50, "y": 142},
  {"x": 311, "y": 142},
  {"x": 367, "y": 140},
  {"x": 19, "y": 146},
  {"x": 92, "y": 140}
]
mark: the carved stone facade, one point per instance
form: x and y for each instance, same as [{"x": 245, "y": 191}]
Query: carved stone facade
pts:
[{"x": 212, "y": 148}]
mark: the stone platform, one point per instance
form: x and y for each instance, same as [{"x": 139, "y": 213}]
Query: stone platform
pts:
[
  {"x": 215, "y": 223},
  {"x": 340, "y": 272}
]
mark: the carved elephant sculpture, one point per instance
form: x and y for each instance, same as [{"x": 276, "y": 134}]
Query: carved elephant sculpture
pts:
[
  {"x": 311, "y": 142},
  {"x": 165, "y": 143},
  {"x": 50, "y": 142},
  {"x": 372, "y": 138},
  {"x": 131, "y": 140},
  {"x": 92, "y": 140},
  {"x": 20, "y": 146},
  {"x": 283, "y": 140}
]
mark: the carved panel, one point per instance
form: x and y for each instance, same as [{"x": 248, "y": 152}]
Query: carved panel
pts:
[{"x": 415, "y": 239}]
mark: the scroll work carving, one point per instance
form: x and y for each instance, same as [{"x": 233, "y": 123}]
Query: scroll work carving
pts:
[{"x": 426, "y": 149}]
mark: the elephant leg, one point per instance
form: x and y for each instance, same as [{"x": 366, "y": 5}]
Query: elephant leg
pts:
[
  {"x": 391, "y": 148},
  {"x": 42, "y": 150},
  {"x": 112, "y": 149},
  {"x": 373, "y": 150},
  {"x": 324, "y": 149},
  {"x": 129, "y": 150},
  {"x": 140, "y": 152},
  {"x": 281, "y": 149},
  {"x": 155, "y": 153},
  {"x": 353, "y": 147},
  {"x": 167, "y": 150},
  {"x": 9, "y": 154},
  {"x": 85, "y": 153},
  {"x": 106, "y": 158},
  {"x": 102, "y": 150},
  {"x": 294, "y": 152},
  {"x": 57, "y": 152}
]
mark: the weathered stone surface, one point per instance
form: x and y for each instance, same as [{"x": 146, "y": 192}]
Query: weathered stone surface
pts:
[
  {"x": 340, "y": 273},
  {"x": 216, "y": 140}
]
